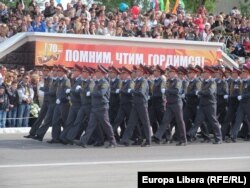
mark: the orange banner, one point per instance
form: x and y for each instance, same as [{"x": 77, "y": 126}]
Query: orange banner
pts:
[{"x": 91, "y": 55}]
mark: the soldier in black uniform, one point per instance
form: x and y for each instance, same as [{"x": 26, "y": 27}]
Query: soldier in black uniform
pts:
[
  {"x": 233, "y": 103},
  {"x": 75, "y": 100},
  {"x": 139, "y": 112},
  {"x": 222, "y": 94},
  {"x": 156, "y": 110},
  {"x": 99, "y": 110},
  {"x": 115, "y": 86},
  {"x": 192, "y": 99},
  {"x": 174, "y": 109},
  {"x": 207, "y": 107},
  {"x": 85, "y": 89},
  {"x": 61, "y": 110},
  {"x": 125, "y": 102},
  {"x": 182, "y": 73},
  {"x": 51, "y": 93},
  {"x": 45, "y": 106},
  {"x": 228, "y": 75},
  {"x": 244, "y": 104}
]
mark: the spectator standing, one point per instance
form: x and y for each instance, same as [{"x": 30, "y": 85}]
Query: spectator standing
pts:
[
  {"x": 26, "y": 95},
  {"x": 4, "y": 106},
  {"x": 13, "y": 98}
]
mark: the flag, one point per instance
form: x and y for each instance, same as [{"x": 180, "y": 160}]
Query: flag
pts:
[
  {"x": 182, "y": 4},
  {"x": 176, "y": 6},
  {"x": 167, "y": 6},
  {"x": 156, "y": 5},
  {"x": 162, "y": 5}
]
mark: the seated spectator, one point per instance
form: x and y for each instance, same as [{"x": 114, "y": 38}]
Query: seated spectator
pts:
[
  {"x": 38, "y": 25},
  {"x": 59, "y": 12},
  {"x": 50, "y": 28},
  {"x": 50, "y": 10},
  {"x": 127, "y": 32},
  {"x": 70, "y": 11},
  {"x": 239, "y": 51},
  {"x": 4, "y": 14},
  {"x": 3, "y": 32},
  {"x": 143, "y": 32},
  {"x": 62, "y": 27},
  {"x": 246, "y": 45}
]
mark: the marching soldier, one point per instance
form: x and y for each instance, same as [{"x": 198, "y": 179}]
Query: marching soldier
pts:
[
  {"x": 75, "y": 100},
  {"x": 244, "y": 103},
  {"x": 45, "y": 106},
  {"x": 207, "y": 107},
  {"x": 222, "y": 93},
  {"x": 85, "y": 88},
  {"x": 233, "y": 103},
  {"x": 174, "y": 109},
  {"x": 51, "y": 93},
  {"x": 62, "y": 105},
  {"x": 182, "y": 72},
  {"x": 99, "y": 110},
  {"x": 156, "y": 110},
  {"x": 115, "y": 86},
  {"x": 139, "y": 112},
  {"x": 228, "y": 75},
  {"x": 192, "y": 99},
  {"x": 125, "y": 102}
]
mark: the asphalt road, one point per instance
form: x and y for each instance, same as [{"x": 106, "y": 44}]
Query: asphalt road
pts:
[{"x": 26, "y": 163}]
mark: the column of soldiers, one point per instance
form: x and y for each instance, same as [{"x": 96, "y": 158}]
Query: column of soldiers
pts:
[{"x": 138, "y": 106}]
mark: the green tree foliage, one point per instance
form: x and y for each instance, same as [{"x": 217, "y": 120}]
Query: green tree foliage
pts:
[{"x": 245, "y": 8}]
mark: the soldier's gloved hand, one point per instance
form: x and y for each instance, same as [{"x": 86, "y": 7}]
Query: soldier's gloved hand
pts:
[
  {"x": 78, "y": 87},
  {"x": 58, "y": 101},
  {"x": 183, "y": 95},
  {"x": 225, "y": 96},
  {"x": 88, "y": 93},
  {"x": 239, "y": 97},
  {"x": 129, "y": 90},
  {"x": 117, "y": 91},
  {"x": 163, "y": 90},
  {"x": 67, "y": 91},
  {"x": 196, "y": 93}
]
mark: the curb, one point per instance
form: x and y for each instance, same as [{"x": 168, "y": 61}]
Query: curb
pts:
[{"x": 17, "y": 130}]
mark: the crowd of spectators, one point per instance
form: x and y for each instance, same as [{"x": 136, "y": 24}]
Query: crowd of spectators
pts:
[
  {"x": 230, "y": 28},
  {"x": 19, "y": 90}
]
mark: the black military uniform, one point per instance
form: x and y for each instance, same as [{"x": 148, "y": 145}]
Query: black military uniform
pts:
[
  {"x": 174, "y": 109},
  {"x": 158, "y": 106},
  {"x": 51, "y": 93},
  {"x": 222, "y": 96},
  {"x": 45, "y": 105},
  {"x": 82, "y": 118},
  {"x": 115, "y": 86},
  {"x": 125, "y": 104},
  {"x": 244, "y": 105},
  {"x": 99, "y": 111},
  {"x": 192, "y": 100},
  {"x": 75, "y": 100},
  {"x": 61, "y": 110},
  {"x": 233, "y": 103},
  {"x": 139, "y": 112},
  {"x": 207, "y": 108}
]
